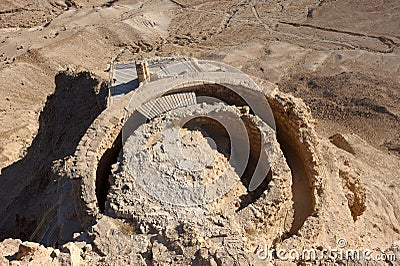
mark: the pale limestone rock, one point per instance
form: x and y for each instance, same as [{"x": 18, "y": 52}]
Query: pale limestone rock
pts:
[{"x": 75, "y": 253}]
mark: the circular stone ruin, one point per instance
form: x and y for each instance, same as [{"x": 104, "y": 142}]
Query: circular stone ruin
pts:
[
  {"x": 179, "y": 166},
  {"x": 197, "y": 164}
]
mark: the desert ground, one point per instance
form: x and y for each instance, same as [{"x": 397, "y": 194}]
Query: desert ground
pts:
[{"x": 341, "y": 57}]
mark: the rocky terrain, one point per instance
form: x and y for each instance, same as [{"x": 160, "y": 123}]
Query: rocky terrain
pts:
[{"x": 341, "y": 58}]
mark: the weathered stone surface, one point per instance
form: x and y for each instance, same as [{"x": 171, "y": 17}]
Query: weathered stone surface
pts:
[
  {"x": 30, "y": 253},
  {"x": 9, "y": 247},
  {"x": 109, "y": 239}
]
